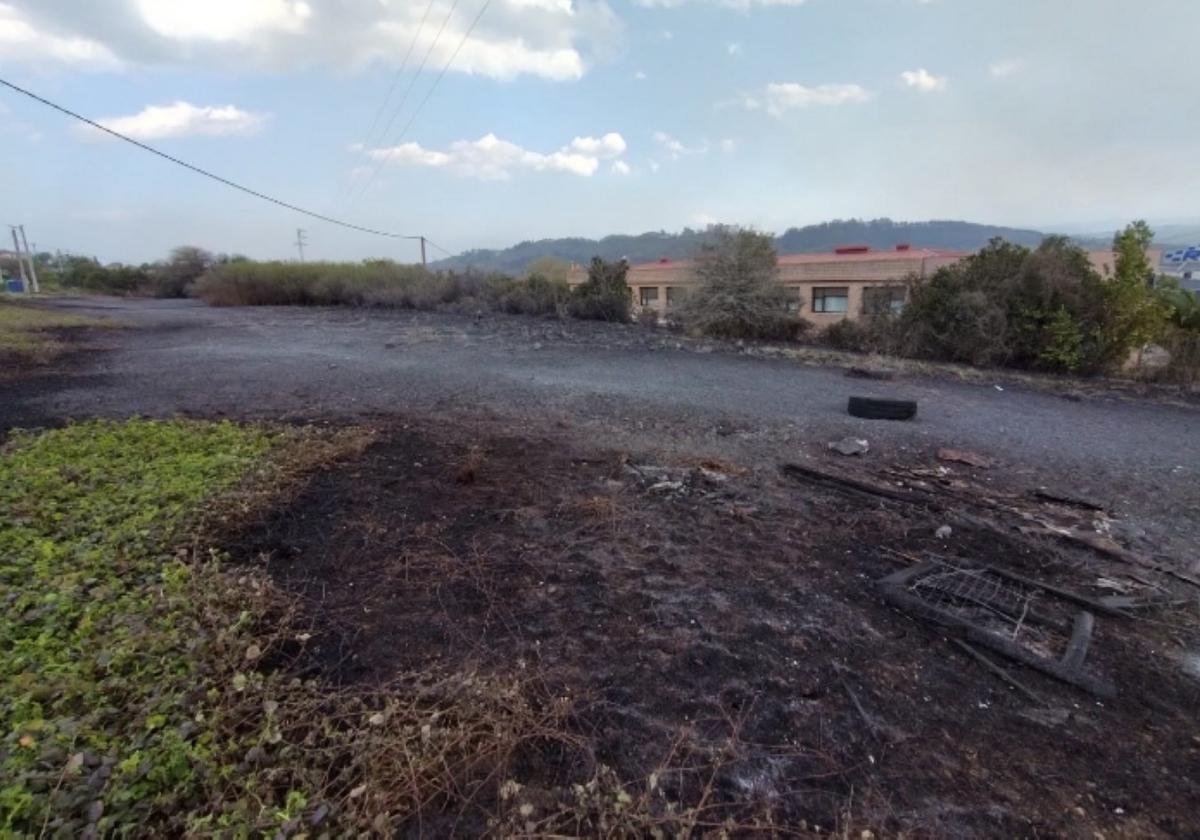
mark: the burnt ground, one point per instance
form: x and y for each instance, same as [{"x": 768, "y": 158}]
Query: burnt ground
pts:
[
  {"x": 689, "y": 598},
  {"x": 598, "y": 507}
]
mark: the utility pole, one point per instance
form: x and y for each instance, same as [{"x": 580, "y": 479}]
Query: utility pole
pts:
[
  {"x": 300, "y": 242},
  {"x": 422, "y": 238},
  {"x": 20, "y": 260},
  {"x": 29, "y": 256}
]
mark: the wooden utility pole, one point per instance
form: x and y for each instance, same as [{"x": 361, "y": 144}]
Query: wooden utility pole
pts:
[
  {"x": 20, "y": 260},
  {"x": 29, "y": 256},
  {"x": 422, "y": 251},
  {"x": 300, "y": 242}
]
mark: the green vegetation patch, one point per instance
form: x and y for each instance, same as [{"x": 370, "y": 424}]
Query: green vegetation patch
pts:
[
  {"x": 25, "y": 333},
  {"x": 104, "y": 646}
]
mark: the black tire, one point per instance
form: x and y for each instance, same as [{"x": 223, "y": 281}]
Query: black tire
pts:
[{"x": 874, "y": 408}]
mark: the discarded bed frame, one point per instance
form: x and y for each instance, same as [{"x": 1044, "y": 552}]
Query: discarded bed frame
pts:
[{"x": 938, "y": 592}]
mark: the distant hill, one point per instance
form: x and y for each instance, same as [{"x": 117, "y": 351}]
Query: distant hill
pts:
[
  {"x": 646, "y": 247},
  {"x": 1166, "y": 237}
]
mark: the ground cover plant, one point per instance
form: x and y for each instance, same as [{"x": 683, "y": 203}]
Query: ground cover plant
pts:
[{"x": 97, "y": 661}]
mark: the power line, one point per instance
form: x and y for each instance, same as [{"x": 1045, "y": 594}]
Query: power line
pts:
[
  {"x": 383, "y": 159},
  {"x": 322, "y": 217},
  {"x": 404, "y": 98},
  {"x": 439, "y": 247},
  {"x": 400, "y": 72},
  {"x": 369, "y": 138}
]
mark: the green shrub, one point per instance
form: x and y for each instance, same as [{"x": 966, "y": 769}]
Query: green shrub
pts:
[
  {"x": 534, "y": 295},
  {"x": 845, "y": 335},
  {"x": 1184, "y": 347},
  {"x": 378, "y": 282},
  {"x": 738, "y": 295},
  {"x": 88, "y": 275},
  {"x": 605, "y": 295}
]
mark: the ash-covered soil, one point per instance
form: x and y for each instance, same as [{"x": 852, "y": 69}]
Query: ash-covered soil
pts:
[{"x": 694, "y": 605}]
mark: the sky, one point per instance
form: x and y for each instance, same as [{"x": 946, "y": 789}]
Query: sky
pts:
[{"x": 482, "y": 123}]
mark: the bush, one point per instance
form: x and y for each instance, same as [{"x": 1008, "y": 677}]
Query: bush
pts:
[
  {"x": 1045, "y": 309},
  {"x": 536, "y": 294},
  {"x": 184, "y": 267},
  {"x": 1184, "y": 347},
  {"x": 88, "y": 275},
  {"x": 738, "y": 295},
  {"x": 844, "y": 335},
  {"x": 378, "y": 282},
  {"x": 647, "y": 316},
  {"x": 605, "y": 295}
]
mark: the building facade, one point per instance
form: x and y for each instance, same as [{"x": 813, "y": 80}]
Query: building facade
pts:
[{"x": 827, "y": 288}]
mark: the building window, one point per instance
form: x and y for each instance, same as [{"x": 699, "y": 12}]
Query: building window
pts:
[
  {"x": 831, "y": 299},
  {"x": 883, "y": 300},
  {"x": 648, "y": 295}
]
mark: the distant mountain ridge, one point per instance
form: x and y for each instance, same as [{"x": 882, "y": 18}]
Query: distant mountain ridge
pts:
[{"x": 881, "y": 234}]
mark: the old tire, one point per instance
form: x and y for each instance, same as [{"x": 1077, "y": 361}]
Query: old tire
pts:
[{"x": 875, "y": 408}]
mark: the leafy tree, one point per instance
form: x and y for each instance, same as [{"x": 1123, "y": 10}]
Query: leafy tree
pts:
[
  {"x": 957, "y": 314},
  {"x": 738, "y": 294},
  {"x": 1137, "y": 315},
  {"x": 605, "y": 295},
  {"x": 184, "y": 267}
]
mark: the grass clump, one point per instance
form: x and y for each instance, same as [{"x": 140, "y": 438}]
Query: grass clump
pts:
[{"x": 26, "y": 334}]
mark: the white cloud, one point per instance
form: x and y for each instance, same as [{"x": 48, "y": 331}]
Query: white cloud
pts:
[
  {"x": 639, "y": 76},
  {"x": 923, "y": 80},
  {"x": 21, "y": 41},
  {"x": 780, "y": 97},
  {"x": 620, "y": 167},
  {"x": 727, "y": 145},
  {"x": 676, "y": 149},
  {"x": 654, "y": 165},
  {"x": 704, "y": 219},
  {"x": 491, "y": 159},
  {"x": 224, "y": 20},
  {"x": 740, "y": 5},
  {"x": 1006, "y": 67},
  {"x": 608, "y": 146},
  {"x": 733, "y": 48},
  {"x": 181, "y": 119},
  {"x": 552, "y": 39}
]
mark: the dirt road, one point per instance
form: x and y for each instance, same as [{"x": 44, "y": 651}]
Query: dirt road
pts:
[{"x": 627, "y": 383}]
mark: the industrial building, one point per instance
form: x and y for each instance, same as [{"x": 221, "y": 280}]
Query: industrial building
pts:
[{"x": 829, "y": 287}]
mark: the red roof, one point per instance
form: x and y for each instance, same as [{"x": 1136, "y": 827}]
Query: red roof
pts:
[{"x": 913, "y": 255}]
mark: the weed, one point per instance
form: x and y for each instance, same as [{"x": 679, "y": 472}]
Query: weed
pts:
[{"x": 26, "y": 334}]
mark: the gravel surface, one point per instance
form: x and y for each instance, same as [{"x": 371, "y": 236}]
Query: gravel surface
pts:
[{"x": 638, "y": 387}]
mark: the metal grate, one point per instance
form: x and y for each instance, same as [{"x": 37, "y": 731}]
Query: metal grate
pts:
[
  {"x": 1023, "y": 619},
  {"x": 1017, "y": 612}
]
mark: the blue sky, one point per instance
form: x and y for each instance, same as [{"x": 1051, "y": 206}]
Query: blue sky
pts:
[{"x": 590, "y": 117}]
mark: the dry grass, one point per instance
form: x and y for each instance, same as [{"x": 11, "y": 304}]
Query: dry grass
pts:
[{"x": 26, "y": 334}]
